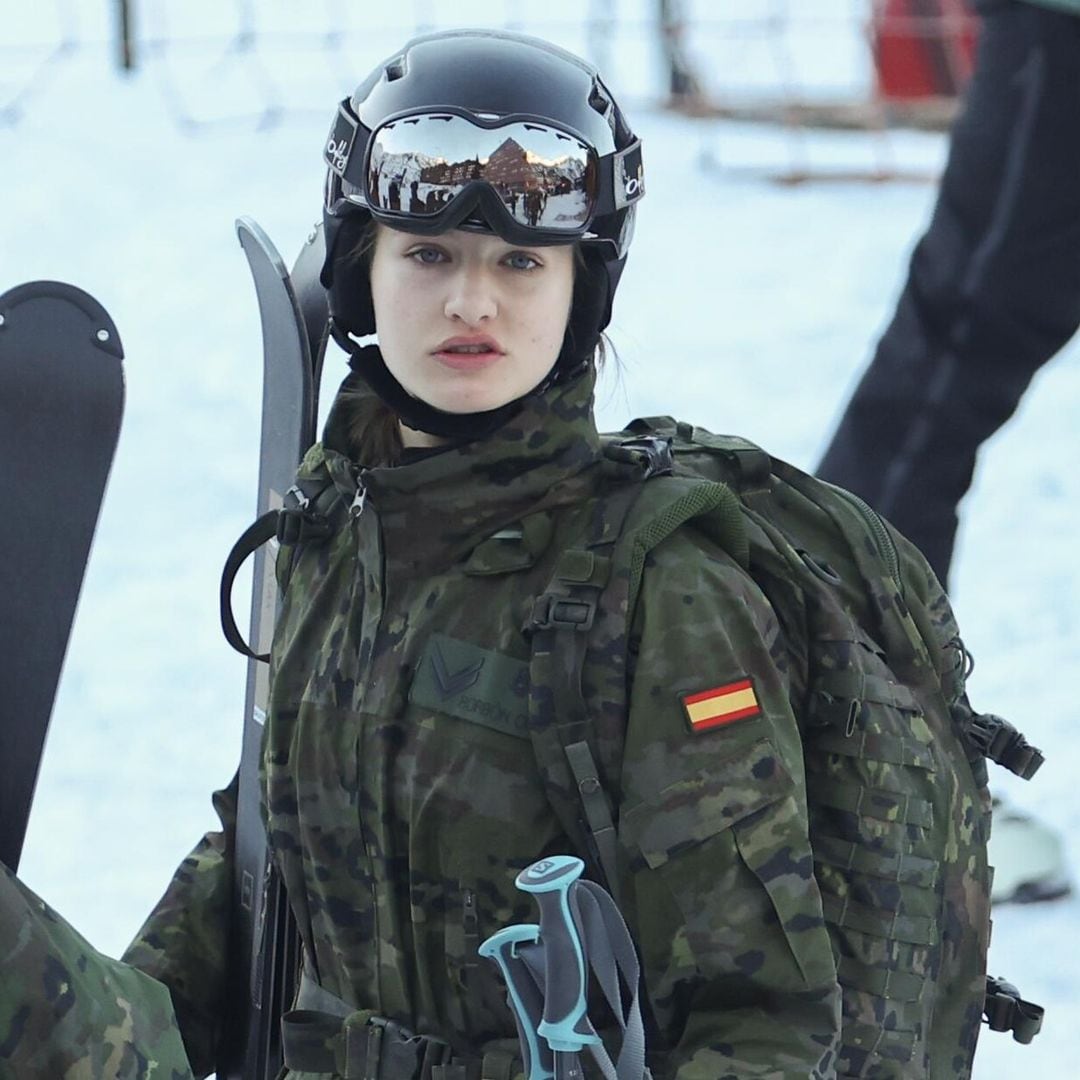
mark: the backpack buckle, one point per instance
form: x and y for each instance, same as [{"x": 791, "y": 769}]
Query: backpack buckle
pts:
[
  {"x": 552, "y": 612},
  {"x": 652, "y": 453},
  {"x": 997, "y": 739},
  {"x": 300, "y": 526},
  {"x": 1005, "y": 1010}
]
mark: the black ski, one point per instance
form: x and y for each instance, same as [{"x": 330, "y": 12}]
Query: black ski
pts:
[
  {"x": 265, "y": 944},
  {"x": 61, "y": 402}
]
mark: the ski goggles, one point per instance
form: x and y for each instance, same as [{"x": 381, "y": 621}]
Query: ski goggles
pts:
[{"x": 428, "y": 171}]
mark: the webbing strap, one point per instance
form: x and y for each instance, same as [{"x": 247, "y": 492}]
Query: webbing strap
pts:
[
  {"x": 856, "y": 685},
  {"x": 881, "y": 982},
  {"x": 559, "y": 726},
  {"x": 252, "y": 538},
  {"x": 891, "y": 925},
  {"x": 886, "y": 865},
  {"x": 325, "y": 1035},
  {"x": 882, "y": 804},
  {"x": 305, "y": 516},
  {"x": 597, "y": 812}
]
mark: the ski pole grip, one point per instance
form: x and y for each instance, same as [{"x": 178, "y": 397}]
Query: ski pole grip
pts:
[
  {"x": 565, "y": 1024},
  {"x": 524, "y": 995}
]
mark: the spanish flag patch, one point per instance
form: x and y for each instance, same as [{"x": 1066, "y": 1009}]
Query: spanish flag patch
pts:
[{"x": 721, "y": 705}]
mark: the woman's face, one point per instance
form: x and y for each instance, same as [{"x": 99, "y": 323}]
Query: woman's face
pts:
[{"x": 467, "y": 322}]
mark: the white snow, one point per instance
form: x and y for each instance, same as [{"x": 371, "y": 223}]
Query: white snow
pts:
[{"x": 746, "y": 307}]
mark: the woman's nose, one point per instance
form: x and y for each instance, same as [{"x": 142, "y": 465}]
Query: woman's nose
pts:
[{"x": 472, "y": 298}]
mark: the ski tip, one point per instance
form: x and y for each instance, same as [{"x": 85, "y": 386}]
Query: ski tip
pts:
[
  {"x": 101, "y": 328},
  {"x": 258, "y": 247}
]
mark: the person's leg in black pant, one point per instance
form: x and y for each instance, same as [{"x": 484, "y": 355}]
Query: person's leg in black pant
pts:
[{"x": 993, "y": 289}]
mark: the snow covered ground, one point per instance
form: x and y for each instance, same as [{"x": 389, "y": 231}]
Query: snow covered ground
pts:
[{"x": 746, "y": 306}]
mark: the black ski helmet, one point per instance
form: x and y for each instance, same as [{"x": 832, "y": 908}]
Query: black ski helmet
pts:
[{"x": 491, "y": 78}]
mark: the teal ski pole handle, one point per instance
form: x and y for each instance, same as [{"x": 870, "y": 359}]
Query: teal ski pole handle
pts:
[
  {"x": 565, "y": 1025},
  {"x": 526, "y": 1001}
]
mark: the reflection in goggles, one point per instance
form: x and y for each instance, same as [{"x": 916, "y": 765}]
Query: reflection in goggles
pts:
[{"x": 545, "y": 178}]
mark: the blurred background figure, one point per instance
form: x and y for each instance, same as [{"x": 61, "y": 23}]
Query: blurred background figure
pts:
[
  {"x": 993, "y": 292},
  {"x": 993, "y": 289}
]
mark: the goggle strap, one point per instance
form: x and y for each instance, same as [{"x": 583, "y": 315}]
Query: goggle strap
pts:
[
  {"x": 628, "y": 179},
  {"x": 346, "y": 135},
  {"x": 621, "y": 180}
]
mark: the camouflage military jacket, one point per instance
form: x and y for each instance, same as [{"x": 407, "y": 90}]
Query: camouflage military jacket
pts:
[{"x": 403, "y": 795}]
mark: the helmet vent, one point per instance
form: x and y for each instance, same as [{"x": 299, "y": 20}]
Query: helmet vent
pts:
[{"x": 395, "y": 69}]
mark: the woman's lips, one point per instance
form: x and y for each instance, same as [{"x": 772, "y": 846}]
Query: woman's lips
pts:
[
  {"x": 471, "y": 352},
  {"x": 467, "y": 361}
]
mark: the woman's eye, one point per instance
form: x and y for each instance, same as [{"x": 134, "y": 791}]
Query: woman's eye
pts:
[
  {"x": 520, "y": 260},
  {"x": 429, "y": 256}
]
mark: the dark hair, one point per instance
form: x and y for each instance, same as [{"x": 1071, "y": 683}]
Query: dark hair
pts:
[{"x": 372, "y": 429}]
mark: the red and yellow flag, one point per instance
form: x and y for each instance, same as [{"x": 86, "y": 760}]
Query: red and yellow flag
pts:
[{"x": 721, "y": 705}]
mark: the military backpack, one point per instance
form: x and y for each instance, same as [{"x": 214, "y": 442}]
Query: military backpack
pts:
[{"x": 895, "y": 755}]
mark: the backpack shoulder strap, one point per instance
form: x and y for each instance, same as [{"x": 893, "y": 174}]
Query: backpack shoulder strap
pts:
[{"x": 587, "y": 604}]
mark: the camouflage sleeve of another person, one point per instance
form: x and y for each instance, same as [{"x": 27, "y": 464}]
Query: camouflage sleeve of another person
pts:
[
  {"x": 183, "y": 941},
  {"x": 722, "y": 894}
]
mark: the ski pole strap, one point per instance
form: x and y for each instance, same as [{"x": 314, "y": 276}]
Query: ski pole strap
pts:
[{"x": 1005, "y": 1010}]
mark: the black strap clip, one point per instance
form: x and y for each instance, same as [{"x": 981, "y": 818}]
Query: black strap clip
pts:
[
  {"x": 554, "y": 612},
  {"x": 651, "y": 453},
  {"x": 298, "y": 526},
  {"x": 298, "y": 520},
  {"x": 1005, "y": 1010},
  {"x": 998, "y": 740}
]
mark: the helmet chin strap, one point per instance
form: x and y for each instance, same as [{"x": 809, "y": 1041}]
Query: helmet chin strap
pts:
[{"x": 367, "y": 361}]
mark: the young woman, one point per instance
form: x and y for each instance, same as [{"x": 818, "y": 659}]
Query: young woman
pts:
[{"x": 480, "y": 201}]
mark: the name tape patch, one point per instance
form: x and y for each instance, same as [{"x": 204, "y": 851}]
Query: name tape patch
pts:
[{"x": 721, "y": 705}]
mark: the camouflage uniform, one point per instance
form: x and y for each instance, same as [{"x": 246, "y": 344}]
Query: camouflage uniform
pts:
[
  {"x": 68, "y": 1012},
  {"x": 403, "y": 795}
]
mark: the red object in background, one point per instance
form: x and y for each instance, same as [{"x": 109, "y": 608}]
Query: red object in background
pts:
[{"x": 922, "y": 48}]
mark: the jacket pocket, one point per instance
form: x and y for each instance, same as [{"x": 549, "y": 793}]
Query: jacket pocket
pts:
[{"x": 731, "y": 846}]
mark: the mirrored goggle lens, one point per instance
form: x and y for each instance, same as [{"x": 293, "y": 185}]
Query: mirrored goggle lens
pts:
[{"x": 545, "y": 178}]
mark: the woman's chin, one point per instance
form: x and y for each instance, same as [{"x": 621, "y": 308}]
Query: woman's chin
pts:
[{"x": 464, "y": 404}]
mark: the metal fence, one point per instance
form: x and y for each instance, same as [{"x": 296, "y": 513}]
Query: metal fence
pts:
[{"x": 223, "y": 65}]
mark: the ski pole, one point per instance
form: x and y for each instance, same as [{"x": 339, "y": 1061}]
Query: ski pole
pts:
[
  {"x": 525, "y": 999},
  {"x": 565, "y": 1024}
]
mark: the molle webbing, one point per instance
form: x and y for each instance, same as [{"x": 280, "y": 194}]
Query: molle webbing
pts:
[{"x": 325, "y": 1035}]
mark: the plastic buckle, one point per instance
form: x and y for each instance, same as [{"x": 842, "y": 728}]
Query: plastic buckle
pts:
[
  {"x": 300, "y": 526},
  {"x": 998, "y": 740},
  {"x": 551, "y": 612},
  {"x": 1005, "y": 1010},
  {"x": 653, "y": 450}
]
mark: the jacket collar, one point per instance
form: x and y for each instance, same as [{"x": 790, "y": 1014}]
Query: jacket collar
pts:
[{"x": 434, "y": 511}]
